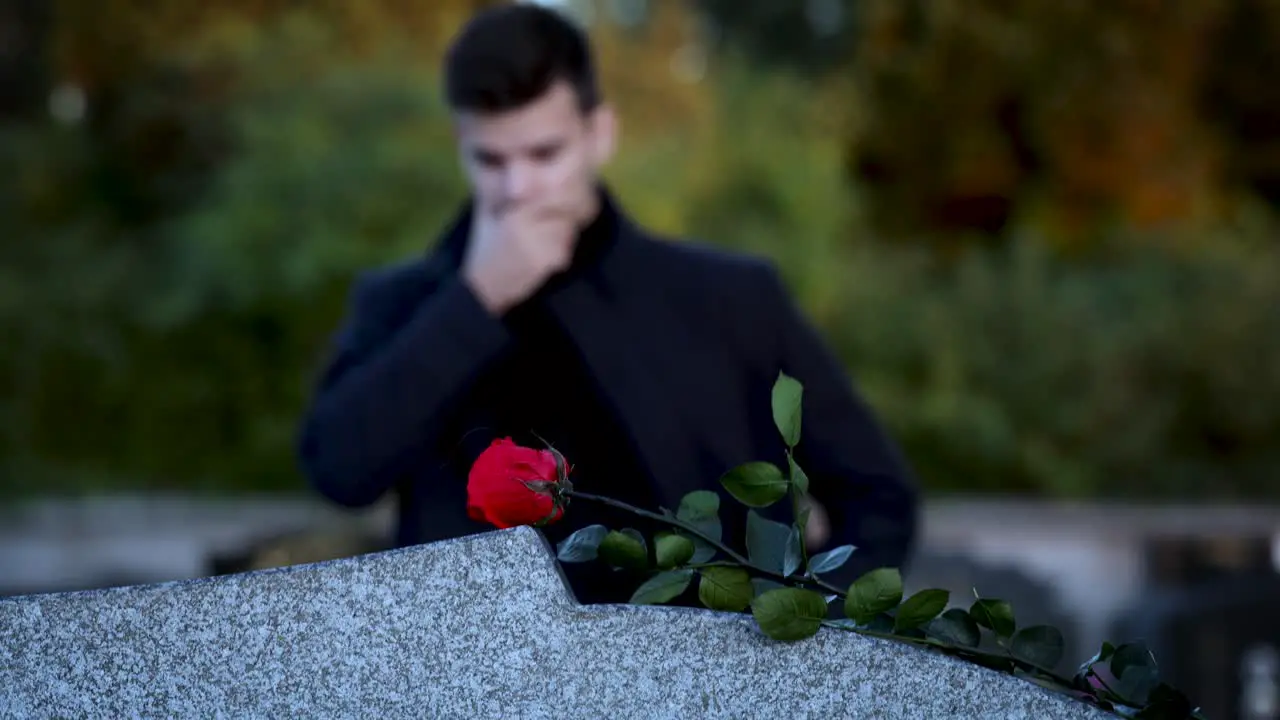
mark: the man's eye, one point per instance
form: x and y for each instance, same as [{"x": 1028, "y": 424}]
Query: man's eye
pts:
[{"x": 543, "y": 154}]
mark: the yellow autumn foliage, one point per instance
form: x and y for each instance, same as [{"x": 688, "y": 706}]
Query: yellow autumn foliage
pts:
[{"x": 984, "y": 115}]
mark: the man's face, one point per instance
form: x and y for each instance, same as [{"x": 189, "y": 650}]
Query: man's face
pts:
[{"x": 547, "y": 153}]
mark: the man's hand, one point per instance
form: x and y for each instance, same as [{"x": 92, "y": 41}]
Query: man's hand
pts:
[
  {"x": 818, "y": 530},
  {"x": 512, "y": 252}
]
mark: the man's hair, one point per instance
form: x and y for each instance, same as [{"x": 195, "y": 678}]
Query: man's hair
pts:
[{"x": 510, "y": 55}]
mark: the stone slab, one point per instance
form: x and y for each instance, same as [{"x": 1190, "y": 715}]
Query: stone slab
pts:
[{"x": 482, "y": 626}]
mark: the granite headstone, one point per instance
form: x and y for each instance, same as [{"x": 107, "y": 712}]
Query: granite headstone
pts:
[{"x": 482, "y": 626}]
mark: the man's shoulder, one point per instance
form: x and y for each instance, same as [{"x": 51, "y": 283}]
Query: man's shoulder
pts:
[
  {"x": 705, "y": 260},
  {"x": 403, "y": 278},
  {"x": 393, "y": 273}
]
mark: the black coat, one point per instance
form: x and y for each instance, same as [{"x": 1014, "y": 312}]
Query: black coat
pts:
[{"x": 683, "y": 343}]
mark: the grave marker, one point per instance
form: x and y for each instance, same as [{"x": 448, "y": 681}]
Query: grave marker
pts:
[{"x": 481, "y": 626}]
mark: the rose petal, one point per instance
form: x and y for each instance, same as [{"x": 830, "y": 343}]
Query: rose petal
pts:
[{"x": 498, "y": 490}]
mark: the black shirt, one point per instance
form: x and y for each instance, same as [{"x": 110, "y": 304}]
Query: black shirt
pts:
[{"x": 542, "y": 391}]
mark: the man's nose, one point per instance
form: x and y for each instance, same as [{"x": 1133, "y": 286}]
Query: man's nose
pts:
[{"x": 517, "y": 182}]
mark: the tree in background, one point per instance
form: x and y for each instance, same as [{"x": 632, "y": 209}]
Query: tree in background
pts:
[
  {"x": 972, "y": 119},
  {"x": 1068, "y": 116},
  {"x": 808, "y": 36},
  {"x": 1239, "y": 95},
  {"x": 176, "y": 258},
  {"x": 173, "y": 262}
]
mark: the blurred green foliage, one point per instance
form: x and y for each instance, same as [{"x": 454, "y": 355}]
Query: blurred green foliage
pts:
[
  {"x": 1148, "y": 367},
  {"x": 174, "y": 347},
  {"x": 1148, "y": 376},
  {"x": 170, "y": 272}
]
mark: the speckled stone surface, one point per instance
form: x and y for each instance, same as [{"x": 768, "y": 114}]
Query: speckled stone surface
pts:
[{"x": 481, "y": 627}]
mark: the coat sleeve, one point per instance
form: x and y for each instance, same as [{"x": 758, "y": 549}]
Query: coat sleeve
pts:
[
  {"x": 387, "y": 386},
  {"x": 855, "y": 469}
]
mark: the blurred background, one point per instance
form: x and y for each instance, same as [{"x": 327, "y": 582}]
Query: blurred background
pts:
[{"x": 1043, "y": 236}]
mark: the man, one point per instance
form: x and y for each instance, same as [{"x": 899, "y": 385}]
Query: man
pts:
[{"x": 547, "y": 313}]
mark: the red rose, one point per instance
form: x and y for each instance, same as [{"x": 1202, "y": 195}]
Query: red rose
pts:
[{"x": 511, "y": 485}]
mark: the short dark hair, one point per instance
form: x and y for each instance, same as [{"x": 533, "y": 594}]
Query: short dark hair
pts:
[{"x": 510, "y": 55}]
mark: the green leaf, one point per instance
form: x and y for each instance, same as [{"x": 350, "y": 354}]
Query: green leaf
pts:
[
  {"x": 787, "y": 394},
  {"x": 995, "y": 615},
  {"x": 794, "y": 554},
  {"x": 663, "y": 587},
  {"x": 1135, "y": 668},
  {"x": 1135, "y": 654},
  {"x": 672, "y": 550},
  {"x": 698, "y": 505},
  {"x": 920, "y": 609},
  {"x": 701, "y": 509},
  {"x": 756, "y": 484},
  {"x": 1101, "y": 656},
  {"x": 831, "y": 560},
  {"x": 622, "y": 550},
  {"x": 1165, "y": 702},
  {"x": 880, "y": 623},
  {"x": 876, "y": 592},
  {"x": 638, "y": 537},
  {"x": 703, "y": 551},
  {"x": 766, "y": 542},
  {"x": 1136, "y": 684},
  {"x": 955, "y": 627},
  {"x": 799, "y": 480},
  {"x": 1040, "y": 645},
  {"x": 581, "y": 546},
  {"x": 725, "y": 588},
  {"x": 789, "y": 614},
  {"x": 762, "y": 585}
]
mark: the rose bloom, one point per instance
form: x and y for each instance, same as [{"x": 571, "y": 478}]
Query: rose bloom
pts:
[{"x": 511, "y": 485}]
